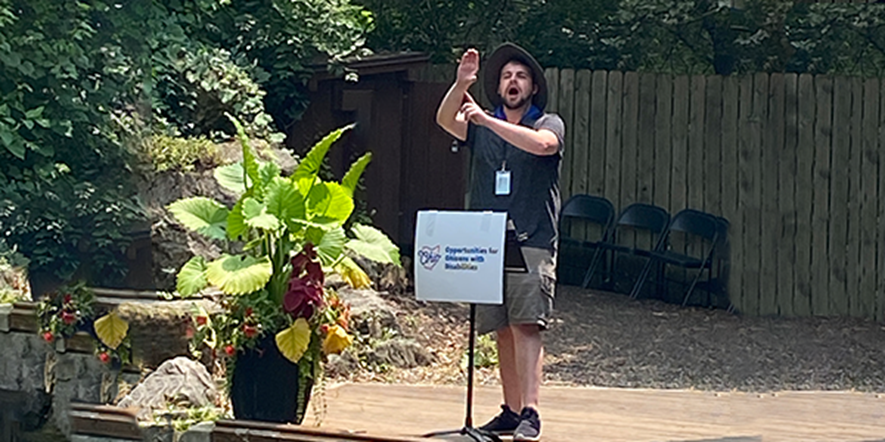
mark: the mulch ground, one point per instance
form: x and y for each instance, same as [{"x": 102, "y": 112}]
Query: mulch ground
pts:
[{"x": 607, "y": 339}]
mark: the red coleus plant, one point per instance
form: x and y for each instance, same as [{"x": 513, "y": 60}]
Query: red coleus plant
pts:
[{"x": 305, "y": 294}]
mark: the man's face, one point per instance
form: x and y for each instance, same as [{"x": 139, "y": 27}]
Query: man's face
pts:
[{"x": 515, "y": 85}]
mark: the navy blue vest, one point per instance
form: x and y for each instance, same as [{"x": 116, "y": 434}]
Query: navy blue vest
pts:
[{"x": 534, "y": 200}]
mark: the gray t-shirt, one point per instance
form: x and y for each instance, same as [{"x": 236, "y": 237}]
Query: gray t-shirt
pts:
[{"x": 534, "y": 200}]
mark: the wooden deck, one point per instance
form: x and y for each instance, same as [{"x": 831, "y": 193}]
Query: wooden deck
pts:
[{"x": 604, "y": 414}]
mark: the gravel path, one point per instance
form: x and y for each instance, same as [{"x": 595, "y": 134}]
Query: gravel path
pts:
[{"x": 607, "y": 339}]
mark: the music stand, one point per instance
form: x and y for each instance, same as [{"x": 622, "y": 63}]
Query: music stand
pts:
[{"x": 514, "y": 262}]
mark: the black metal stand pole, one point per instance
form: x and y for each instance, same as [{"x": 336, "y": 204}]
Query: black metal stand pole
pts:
[
  {"x": 468, "y": 430},
  {"x": 468, "y": 420}
]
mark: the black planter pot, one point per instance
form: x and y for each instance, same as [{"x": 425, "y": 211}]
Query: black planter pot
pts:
[{"x": 265, "y": 386}]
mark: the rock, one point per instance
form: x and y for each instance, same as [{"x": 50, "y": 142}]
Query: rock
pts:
[
  {"x": 388, "y": 278},
  {"x": 157, "y": 331},
  {"x": 370, "y": 314},
  {"x": 201, "y": 432},
  {"x": 400, "y": 352},
  {"x": 180, "y": 381},
  {"x": 342, "y": 364},
  {"x": 21, "y": 379}
]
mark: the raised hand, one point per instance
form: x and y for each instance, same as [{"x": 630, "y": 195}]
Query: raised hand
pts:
[{"x": 468, "y": 67}]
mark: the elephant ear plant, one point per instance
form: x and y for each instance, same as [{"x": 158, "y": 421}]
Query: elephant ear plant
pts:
[{"x": 280, "y": 238}]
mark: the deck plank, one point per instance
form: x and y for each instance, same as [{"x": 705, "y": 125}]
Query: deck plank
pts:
[{"x": 629, "y": 415}]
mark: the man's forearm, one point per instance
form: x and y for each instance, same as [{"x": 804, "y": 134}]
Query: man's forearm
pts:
[
  {"x": 446, "y": 115},
  {"x": 538, "y": 142}
]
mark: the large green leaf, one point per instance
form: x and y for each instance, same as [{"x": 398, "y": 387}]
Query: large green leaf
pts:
[
  {"x": 232, "y": 177},
  {"x": 267, "y": 172},
  {"x": 309, "y": 167},
  {"x": 202, "y": 215},
  {"x": 192, "y": 277},
  {"x": 236, "y": 223},
  {"x": 373, "y": 244},
  {"x": 329, "y": 244},
  {"x": 238, "y": 275},
  {"x": 329, "y": 203},
  {"x": 256, "y": 216},
  {"x": 249, "y": 161},
  {"x": 352, "y": 177},
  {"x": 283, "y": 200}
]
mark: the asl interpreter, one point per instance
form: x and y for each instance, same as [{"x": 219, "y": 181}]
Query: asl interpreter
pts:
[{"x": 517, "y": 150}]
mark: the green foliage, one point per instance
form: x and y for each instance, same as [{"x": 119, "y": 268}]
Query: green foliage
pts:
[
  {"x": 694, "y": 37},
  {"x": 81, "y": 80},
  {"x": 275, "y": 216},
  {"x": 196, "y": 87},
  {"x": 274, "y": 42},
  {"x": 64, "y": 312},
  {"x": 485, "y": 354},
  {"x": 183, "y": 154},
  {"x": 373, "y": 244},
  {"x": 64, "y": 195}
]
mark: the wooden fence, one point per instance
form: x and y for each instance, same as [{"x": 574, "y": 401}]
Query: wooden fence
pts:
[{"x": 792, "y": 161}]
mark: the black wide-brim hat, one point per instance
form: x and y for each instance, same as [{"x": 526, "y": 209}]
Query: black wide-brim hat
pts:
[{"x": 501, "y": 56}]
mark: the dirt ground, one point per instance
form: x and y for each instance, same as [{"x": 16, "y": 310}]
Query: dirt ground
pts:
[{"x": 607, "y": 339}]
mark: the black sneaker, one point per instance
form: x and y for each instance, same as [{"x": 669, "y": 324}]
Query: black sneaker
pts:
[
  {"x": 529, "y": 428},
  {"x": 502, "y": 424}
]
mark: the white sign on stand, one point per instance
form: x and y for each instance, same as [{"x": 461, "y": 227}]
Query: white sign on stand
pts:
[{"x": 459, "y": 256}]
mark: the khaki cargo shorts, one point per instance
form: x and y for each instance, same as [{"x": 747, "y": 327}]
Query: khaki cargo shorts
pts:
[{"x": 528, "y": 297}]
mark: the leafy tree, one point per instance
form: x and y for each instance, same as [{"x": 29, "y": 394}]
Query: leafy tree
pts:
[
  {"x": 63, "y": 192},
  {"x": 83, "y": 81},
  {"x": 697, "y": 36}
]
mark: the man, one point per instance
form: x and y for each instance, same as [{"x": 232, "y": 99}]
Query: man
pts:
[{"x": 517, "y": 150}]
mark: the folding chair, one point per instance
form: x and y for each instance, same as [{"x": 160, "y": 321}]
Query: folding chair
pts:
[
  {"x": 717, "y": 285},
  {"x": 587, "y": 209},
  {"x": 691, "y": 223},
  {"x": 636, "y": 217}
]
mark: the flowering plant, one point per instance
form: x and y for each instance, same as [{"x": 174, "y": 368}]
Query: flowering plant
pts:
[
  {"x": 70, "y": 309},
  {"x": 281, "y": 237},
  {"x": 63, "y": 313}
]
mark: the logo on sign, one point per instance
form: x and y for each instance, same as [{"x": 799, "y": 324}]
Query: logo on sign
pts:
[{"x": 428, "y": 257}]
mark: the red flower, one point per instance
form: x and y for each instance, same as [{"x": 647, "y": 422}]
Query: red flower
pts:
[
  {"x": 324, "y": 328},
  {"x": 189, "y": 333},
  {"x": 302, "y": 298},
  {"x": 249, "y": 330},
  {"x": 248, "y": 311},
  {"x": 202, "y": 320},
  {"x": 105, "y": 358},
  {"x": 229, "y": 350},
  {"x": 67, "y": 299},
  {"x": 48, "y": 337},
  {"x": 68, "y": 318}
]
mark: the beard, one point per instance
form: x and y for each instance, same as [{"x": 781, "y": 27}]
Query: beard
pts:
[{"x": 516, "y": 105}]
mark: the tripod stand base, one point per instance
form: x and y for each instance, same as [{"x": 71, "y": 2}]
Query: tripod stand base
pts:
[{"x": 470, "y": 432}]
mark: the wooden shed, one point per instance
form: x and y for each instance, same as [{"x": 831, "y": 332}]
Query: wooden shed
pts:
[{"x": 393, "y": 104}]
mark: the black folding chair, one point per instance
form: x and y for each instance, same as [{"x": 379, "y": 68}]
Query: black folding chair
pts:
[
  {"x": 691, "y": 223},
  {"x": 636, "y": 217},
  {"x": 585, "y": 209},
  {"x": 717, "y": 285}
]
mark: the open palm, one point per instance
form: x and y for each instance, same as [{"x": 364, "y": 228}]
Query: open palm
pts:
[{"x": 469, "y": 66}]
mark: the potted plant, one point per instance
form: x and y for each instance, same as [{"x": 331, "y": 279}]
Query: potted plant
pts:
[{"x": 277, "y": 321}]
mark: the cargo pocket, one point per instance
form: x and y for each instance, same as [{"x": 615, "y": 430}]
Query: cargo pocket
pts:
[{"x": 547, "y": 271}]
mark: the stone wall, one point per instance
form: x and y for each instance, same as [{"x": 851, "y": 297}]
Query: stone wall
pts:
[{"x": 37, "y": 383}]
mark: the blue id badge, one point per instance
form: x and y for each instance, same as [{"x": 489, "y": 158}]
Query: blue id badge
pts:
[{"x": 502, "y": 182}]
